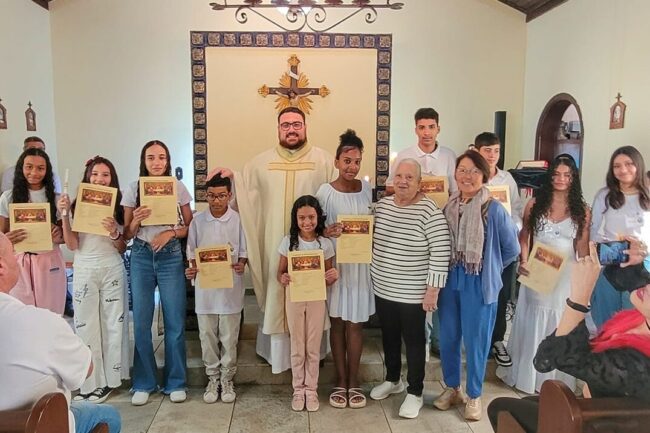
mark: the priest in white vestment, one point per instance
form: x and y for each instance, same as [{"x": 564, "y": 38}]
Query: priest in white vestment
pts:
[{"x": 266, "y": 190}]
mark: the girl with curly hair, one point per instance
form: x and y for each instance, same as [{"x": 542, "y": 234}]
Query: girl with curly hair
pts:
[
  {"x": 306, "y": 319},
  {"x": 42, "y": 281},
  {"x": 558, "y": 217},
  {"x": 620, "y": 209}
]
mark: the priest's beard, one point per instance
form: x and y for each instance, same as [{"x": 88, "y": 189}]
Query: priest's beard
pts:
[{"x": 293, "y": 146}]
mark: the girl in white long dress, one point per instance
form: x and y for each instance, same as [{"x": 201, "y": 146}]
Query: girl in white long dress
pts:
[
  {"x": 350, "y": 300},
  {"x": 558, "y": 217}
]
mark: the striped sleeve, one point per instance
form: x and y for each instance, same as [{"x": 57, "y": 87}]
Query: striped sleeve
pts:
[{"x": 437, "y": 232}]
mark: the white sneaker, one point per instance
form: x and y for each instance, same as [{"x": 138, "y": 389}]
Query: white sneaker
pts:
[
  {"x": 227, "y": 391},
  {"x": 140, "y": 398},
  {"x": 211, "y": 394},
  {"x": 411, "y": 406},
  {"x": 178, "y": 396},
  {"x": 385, "y": 389}
]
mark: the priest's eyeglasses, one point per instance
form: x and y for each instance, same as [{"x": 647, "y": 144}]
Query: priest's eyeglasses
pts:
[
  {"x": 221, "y": 196},
  {"x": 286, "y": 125}
]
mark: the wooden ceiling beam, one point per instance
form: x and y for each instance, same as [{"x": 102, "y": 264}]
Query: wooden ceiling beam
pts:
[
  {"x": 42, "y": 3},
  {"x": 514, "y": 5},
  {"x": 543, "y": 8}
]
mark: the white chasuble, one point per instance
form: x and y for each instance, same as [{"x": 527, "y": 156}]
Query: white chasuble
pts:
[{"x": 266, "y": 191}]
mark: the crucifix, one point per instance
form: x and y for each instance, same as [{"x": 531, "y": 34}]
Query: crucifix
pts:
[
  {"x": 617, "y": 113},
  {"x": 293, "y": 90}
]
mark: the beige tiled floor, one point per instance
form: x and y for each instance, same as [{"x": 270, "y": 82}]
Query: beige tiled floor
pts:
[{"x": 266, "y": 408}]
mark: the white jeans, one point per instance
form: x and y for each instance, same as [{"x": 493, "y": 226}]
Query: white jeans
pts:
[
  {"x": 99, "y": 314},
  {"x": 215, "y": 329}
]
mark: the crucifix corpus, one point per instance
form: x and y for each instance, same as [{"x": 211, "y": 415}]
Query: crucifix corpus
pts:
[{"x": 293, "y": 90}]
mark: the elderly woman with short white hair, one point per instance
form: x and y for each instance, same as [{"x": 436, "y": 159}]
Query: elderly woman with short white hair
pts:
[{"x": 410, "y": 262}]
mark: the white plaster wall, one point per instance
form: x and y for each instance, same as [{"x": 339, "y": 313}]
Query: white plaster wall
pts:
[
  {"x": 592, "y": 49},
  {"x": 25, "y": 74},
  {"x": 122, "y": 73}
]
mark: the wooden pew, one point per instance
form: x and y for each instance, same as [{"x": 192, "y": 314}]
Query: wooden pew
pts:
[
  {"x": 560, "y": 411},
  {"x": 48, "y": 415}
]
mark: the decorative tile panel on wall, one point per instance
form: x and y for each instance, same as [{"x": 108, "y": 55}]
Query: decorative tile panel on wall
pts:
[{"x": 199, "y": 41}]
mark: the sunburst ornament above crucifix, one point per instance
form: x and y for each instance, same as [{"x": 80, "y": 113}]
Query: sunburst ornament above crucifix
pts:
[{"x": 294, "y": 90}]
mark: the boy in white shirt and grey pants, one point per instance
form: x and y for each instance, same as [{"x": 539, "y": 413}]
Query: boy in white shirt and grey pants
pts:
[{"x": 218, "y": 309}]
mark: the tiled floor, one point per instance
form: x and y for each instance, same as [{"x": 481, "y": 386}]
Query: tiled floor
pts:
[{"x": 266, "y": 408}]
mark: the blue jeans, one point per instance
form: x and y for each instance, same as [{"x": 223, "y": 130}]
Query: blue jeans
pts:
[
  {"x": 465, "y": 319},
  {"x": 88, "y": 415},
  {"x": 607, "y": 301},
  {"x": 164, "y": 269}
]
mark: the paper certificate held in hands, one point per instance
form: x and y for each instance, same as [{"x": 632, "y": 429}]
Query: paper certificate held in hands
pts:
[
  {"x": 501, "y": 193},
  {"x": 214, "y": 265},
  {"x": 158, "y": 193},
  {"x": 35, "y": 219},
  {"x": 355, "y": 243},
  {"x": 545, "y": 265},
  {"x": 94, "y": 203},
  {"x": 307, "y": 272},
  {"x": 436, "y": 188}
]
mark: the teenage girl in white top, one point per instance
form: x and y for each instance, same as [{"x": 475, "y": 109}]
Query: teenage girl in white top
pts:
[{"x": 620, "y": 210}]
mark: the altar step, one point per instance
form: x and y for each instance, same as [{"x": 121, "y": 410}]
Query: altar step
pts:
[{"x": 252, "y": 369}]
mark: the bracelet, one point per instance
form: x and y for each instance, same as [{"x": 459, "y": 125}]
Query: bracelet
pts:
[
  {"x": 119, "y": 235},
  {"x": 578, "y": 307}
]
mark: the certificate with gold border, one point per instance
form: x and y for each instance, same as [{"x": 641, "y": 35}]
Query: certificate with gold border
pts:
[
  {"x": 436, "y": 188},
  {"x": 501, "y": 193},
  {"x": 94, "y": 203},
  {"x": 545, "y": 266},
  {"x": 355, "y": 243},
  {"x": 158, "y": 193},
  {"x": 35, "y": 219},
  {"x": 214, "y": 266},
  {"x": 307, "y": 272}
]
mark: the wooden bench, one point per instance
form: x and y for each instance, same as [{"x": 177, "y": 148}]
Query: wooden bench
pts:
[
  {"x": 560, "y": 411},
  {"x": 48, "y": 415}
]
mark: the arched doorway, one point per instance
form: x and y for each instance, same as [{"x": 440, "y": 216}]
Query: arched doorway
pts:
[{"x": 560, "y": 129}]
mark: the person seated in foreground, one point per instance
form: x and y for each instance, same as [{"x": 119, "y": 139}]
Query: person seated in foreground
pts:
[
  {"x": 41, "y": 354},
  {"x": 616, "y": 363}
]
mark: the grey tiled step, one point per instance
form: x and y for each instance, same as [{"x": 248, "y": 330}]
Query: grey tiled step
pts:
[{"x": 252, "y": 369}]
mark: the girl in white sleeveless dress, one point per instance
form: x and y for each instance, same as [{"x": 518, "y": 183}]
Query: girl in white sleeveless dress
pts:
[{"x": 558, "y": 217}]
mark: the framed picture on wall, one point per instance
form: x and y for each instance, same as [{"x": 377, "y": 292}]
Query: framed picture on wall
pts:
[
  {"x": 617, "y": 114},
  {"x": 3, "y": 116},
  {"x": 30, "y": 118}
]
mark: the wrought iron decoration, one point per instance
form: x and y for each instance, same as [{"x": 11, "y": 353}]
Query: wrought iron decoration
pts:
[{"x": 311, "y": 14}]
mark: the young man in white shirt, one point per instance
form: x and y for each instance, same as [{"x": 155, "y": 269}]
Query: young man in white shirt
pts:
[
  {"x": 489, "y": 146},
  {"x": 218, "y": 309},
  {"x": 41, "y": 354},
  {"x": 434, "y": 159}
]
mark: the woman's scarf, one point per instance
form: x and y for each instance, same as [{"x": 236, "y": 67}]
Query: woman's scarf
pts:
[{"x": 467, "y": 232}]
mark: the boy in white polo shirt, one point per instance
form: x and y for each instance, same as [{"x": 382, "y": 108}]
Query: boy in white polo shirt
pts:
[{"x": 218, "y": 309}]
